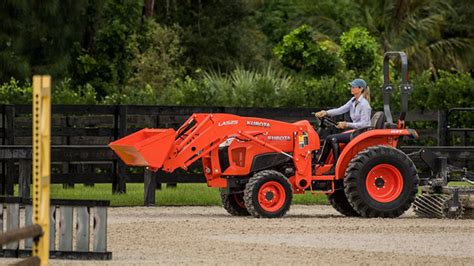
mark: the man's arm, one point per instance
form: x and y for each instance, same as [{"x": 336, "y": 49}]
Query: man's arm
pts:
[{"x": 341, "y": 110}]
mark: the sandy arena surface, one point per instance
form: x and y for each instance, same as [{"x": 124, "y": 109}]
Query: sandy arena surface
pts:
[{"x": 306, "y": 235}]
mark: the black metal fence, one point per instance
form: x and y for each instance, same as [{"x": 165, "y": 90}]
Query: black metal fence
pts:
[{"x": 80, "y": 134}]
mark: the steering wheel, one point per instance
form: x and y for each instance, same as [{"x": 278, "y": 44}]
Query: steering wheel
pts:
[{"x": 326, "y": 122}]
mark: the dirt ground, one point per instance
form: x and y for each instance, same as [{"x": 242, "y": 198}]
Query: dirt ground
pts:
[{"x": 306, "y": 235}]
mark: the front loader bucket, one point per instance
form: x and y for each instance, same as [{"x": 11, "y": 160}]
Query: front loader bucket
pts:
[{"x": 147, "y": 147}]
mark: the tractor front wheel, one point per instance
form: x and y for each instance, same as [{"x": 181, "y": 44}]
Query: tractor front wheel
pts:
[
  {"x": 381, "y": 182},
  {"x": 234, "y": 204},
  {"x": 268, "y": 194}
]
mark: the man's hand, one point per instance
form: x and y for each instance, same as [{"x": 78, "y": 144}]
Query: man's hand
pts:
[
  {"x": 320, "y": 114},
  {"x": 341, "y": 125}
]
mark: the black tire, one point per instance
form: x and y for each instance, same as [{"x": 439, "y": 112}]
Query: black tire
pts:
[
  {"x": 268, "y": 179},
  {"x": 338, "y": 201},
  {"x": 363, "y": 196},
  {"x": 234, "y": 204}
]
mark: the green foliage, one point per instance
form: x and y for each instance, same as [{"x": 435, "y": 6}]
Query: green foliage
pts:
[
  {"x": 158, "y": 64},
  {"x": 12, "y": 93},
  {"x": 327, "y": 91},
  {"x": 108, "y": 64},
  {"x": 257, "y": 89},
  {"x": 300, "y": 51},
  {"x": 65, "y": 94},
  {"x": 113, "y": 53},
  {"x": 36, "y": 37},
  {"x": 216, "y": 34},
  {"x": 359, "y": 49},
  {"x": 448, "y": 91},
  {"x": 132, "y": 95},
  {"x": 241, "y": 87}
]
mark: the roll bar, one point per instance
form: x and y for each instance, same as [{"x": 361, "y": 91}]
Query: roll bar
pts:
[{"x": 387, "y": 87}]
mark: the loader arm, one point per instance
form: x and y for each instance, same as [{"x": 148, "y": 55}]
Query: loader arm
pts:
[{"x": 200, "y": 136}]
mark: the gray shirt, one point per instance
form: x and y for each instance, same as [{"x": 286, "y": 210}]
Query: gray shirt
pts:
[{"x": 359, "y": 111}]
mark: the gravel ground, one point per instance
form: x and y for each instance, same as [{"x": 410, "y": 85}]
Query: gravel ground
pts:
[{"x": 306, "y": 235}]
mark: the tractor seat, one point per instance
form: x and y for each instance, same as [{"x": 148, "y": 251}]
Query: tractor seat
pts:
[{"x": 376, "y": 122}]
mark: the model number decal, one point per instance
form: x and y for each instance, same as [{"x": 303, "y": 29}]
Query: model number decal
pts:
[
  {"x": 396, "y": 131},
  {"x": 228, "y": 123}
]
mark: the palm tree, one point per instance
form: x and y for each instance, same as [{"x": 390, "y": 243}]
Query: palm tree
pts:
[{"x": 418, "y": 27}]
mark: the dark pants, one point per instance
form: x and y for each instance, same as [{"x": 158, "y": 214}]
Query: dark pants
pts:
[{"x": 332, "y": 142}]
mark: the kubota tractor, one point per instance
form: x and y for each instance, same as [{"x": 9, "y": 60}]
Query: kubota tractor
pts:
[{"x": 260, "y": 163}]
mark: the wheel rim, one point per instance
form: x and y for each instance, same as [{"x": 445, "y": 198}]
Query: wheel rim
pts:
[
  {"x": 239, "y": 199},
  {"x": 384, "y": 183},
  {"x": 271, "y": 196}
]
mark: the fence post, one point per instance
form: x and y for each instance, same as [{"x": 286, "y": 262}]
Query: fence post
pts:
[
  {"x": 65, "y": 228},
  {"x": 149, "y": 182},
  {"x": 8, "y": 182},
  {"x": 66, "y": 165},
  {"x": 85, "y": 170},
  {"x": 67, "y": 169},
  {"x": 24, "y": 179},
  {"x": 3, "y": 175},
  {"x": 82, "y": 228},
  {"x": 28, "y": 221},
  {"x": 120, "y": 177},
  {"x": 13, "y": 222},
  {"x": 443, "y": 138},
  {"x": 100, "y": 229}
]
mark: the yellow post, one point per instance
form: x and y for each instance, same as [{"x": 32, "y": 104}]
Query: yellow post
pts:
[{"x": 41, "y": 162}]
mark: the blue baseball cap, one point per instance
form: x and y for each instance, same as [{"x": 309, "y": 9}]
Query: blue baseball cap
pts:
[{"x": 358, "y": 83}]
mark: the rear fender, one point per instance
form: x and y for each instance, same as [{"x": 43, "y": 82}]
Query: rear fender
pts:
[{"x": 375, "y": 137}]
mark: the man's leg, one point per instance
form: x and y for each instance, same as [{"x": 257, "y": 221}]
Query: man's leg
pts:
[
  {"x": 326, "y": 149},
  {"x": 335, "y": 140},
  {"x": 332, "y": 142}
]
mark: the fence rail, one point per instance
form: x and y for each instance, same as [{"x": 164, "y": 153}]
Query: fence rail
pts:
[
  {"x": 80, "y": 134},
  {"x": 86, "y": 220}
]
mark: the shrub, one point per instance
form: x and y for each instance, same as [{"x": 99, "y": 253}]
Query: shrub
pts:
[
  {"x": 327, "y": 91},
  {"x": 299, "y": 51},
  {"x": 132, "y": 95},
  {"x": 359, "y": 49},
  {"x": 157, "y": 65},
  {"x": 12, "y": 93},
  {"x": 241, "y": 87},
  {"x": 64, "y": 94}
]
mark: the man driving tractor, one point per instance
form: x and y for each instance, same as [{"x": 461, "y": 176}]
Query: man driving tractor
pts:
[{"x": 359, "y": 110}]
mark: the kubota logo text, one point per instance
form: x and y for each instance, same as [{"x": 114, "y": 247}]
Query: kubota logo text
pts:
[
  {"x": 258, "y": 124},
  {"x": 279, "y": 138}
]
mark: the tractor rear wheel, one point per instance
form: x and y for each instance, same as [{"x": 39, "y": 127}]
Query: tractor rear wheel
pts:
[
  {"x": 381, "y": 181},
  {"x": 234, "y": 204},
  {"x": 338, "y": 201},
  {"x": 268, "y": 194}
]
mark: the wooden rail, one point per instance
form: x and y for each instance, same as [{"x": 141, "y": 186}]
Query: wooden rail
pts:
[{"x": 71, "y": 217}]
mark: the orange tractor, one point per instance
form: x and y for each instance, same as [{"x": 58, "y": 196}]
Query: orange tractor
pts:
[{"x": 259, "y": 164}]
